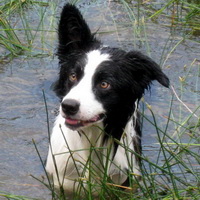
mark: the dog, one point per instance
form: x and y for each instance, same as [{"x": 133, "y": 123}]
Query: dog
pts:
[{"x": 97, "y": 134}]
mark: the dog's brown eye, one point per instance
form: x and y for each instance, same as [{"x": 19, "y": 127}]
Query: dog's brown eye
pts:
[
  {"x": 73, "y": 77},
  {"x": 104, "y": 85}
]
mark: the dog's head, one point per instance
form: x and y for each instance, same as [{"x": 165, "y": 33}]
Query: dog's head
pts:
[{"x": 98, "y": 83}]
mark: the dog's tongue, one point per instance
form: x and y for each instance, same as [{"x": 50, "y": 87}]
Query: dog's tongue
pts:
[
  {"x": 76, "y": 122},
  {"x": 72, "y": 121}
]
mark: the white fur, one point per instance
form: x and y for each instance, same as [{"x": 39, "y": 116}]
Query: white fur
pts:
[
  {"x": 63, "y": 141},
  {"x": 69, "y": 150},
  {"x": 89, "y": 106}
]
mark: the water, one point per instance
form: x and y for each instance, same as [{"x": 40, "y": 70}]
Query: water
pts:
[
  {"x": 23, "y": 118},
  {"x": 23, "y": 81}
]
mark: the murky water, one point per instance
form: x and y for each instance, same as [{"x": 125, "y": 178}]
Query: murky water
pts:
[{"x": 22, "y": 81}]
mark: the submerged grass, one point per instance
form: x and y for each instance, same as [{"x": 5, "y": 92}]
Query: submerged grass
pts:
[
  {"x": 183, "y": 13},
  {"x": 175, "y": 174},
  {"x": 14, "y": 197},
  {"x": 18, "y": 33},
  {"x": 9, "y": 39},
  {"x": 11, "y": 6},
  {"x": 20, "y": 37}
]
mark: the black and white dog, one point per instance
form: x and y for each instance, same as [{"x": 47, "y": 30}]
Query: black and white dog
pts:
[{"x": 97, "y": 131}]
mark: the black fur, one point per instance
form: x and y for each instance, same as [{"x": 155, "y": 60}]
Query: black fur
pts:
[
  {"x": 74, "y": 34},
  {"x": 129, "y": 73}
]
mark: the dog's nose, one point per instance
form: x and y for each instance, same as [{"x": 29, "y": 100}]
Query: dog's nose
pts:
[{"x": 70, "y": 106}]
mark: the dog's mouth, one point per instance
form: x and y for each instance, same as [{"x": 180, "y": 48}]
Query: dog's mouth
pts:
[{"x": 77, "y": 123}]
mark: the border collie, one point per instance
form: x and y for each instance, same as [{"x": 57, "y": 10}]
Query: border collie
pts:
[{"x": 97, "y": 131}]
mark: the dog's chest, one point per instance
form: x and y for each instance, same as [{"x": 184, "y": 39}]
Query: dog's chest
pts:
[{"x": 81, "y": 150}]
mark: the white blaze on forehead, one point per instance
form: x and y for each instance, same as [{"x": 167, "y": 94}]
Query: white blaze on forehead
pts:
[
  {"x": 94, "y": 59},
  {"x": 82, "y": 92}
]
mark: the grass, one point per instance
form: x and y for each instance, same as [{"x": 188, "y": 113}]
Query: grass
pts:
[
  {"x": 172, "y": 176},
  {"x": 20, "y": 37},
  {"x": 175, "y": 173}
]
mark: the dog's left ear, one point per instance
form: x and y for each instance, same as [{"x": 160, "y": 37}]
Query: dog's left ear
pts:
[{"x": 144, "y": 70}]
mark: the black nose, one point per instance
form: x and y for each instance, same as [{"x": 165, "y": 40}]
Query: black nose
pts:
[{"x": 70, "y": 106}]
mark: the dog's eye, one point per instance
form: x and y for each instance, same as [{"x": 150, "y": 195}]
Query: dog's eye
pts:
[
  {"x": 104, "y": 85},
  {"x": 73, "y": 77}
]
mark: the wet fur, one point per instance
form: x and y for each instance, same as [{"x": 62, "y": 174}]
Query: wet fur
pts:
[{"x": 129, "y": 75}]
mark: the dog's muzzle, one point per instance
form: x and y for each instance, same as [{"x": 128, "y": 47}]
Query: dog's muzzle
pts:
[{"x": 70, "y": 108}]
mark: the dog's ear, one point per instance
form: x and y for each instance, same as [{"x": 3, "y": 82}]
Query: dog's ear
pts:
[
  {"x": 73, "y": 32},
  {"x": 143, "y": 71}
]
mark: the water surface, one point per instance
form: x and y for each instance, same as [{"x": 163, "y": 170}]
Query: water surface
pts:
[{"x": 23, "y": 80}]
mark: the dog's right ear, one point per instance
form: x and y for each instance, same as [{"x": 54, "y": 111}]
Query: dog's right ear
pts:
[{"x": 73, "y": 32}]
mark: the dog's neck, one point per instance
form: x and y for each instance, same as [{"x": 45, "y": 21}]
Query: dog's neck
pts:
[{"x": 92, "y": 135}]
